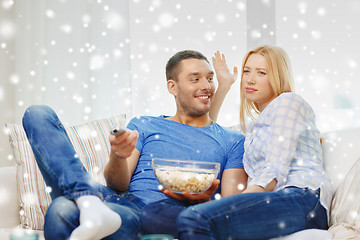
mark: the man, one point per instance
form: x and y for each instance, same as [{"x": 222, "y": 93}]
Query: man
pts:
[{"x": 83, "y": 209}]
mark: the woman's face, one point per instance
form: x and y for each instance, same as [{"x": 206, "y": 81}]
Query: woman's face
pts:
[{"x": 255, "y": 82}]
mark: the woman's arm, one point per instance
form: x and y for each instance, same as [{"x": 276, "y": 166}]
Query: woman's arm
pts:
[
  {"x": 225, "y": 80},
  {"x": 256, "y": 188}
]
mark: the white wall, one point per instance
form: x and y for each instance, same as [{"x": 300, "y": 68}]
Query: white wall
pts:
[{"x": 322, "y": 38}]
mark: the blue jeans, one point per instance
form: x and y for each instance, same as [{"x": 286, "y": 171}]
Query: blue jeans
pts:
[
  {"x": 160, "y": 217},
  {"x": 254, "y": 215},
  {"x": 65, "y": 174}
]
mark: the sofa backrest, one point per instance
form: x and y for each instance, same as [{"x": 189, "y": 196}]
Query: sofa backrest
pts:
[
  {"x": 9, "y": 207},
  {"x": 341, "y": 149}
]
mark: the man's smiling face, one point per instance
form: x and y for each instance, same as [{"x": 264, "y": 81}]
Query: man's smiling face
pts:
[{"x": 194, "y": 87}]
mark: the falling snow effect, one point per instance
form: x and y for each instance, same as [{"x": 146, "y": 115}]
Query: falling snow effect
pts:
[
  {"x": 93, "y": 77},
  {"x": 241, "y": 187},
  {"x": 217, "y": 196},
  {"x": 2, "y": 94},
  {"x": 4, "y": 196},
  {"x": 7, "y": 30}
]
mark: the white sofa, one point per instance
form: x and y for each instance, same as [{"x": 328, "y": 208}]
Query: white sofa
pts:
[
  {"x": 9, "y": 207},
  {"x": 341, "y": 149}
]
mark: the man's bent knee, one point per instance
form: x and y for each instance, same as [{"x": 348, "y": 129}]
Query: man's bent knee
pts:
[{"x": 61, "y": 218}]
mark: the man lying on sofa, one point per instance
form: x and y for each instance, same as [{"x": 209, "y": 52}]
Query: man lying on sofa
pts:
[{"x": 84, "y": 209}]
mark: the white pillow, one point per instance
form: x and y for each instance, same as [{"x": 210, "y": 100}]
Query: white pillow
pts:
[
  {"x": 91, "y": 142},
  {"x": 341, "y": 231},
  {"x": 345, "y": 206},
  {"x": 308, "y": 234}
]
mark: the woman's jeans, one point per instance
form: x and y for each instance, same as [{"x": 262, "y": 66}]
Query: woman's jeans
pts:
[
  {"x": 254, "y": 215},
  {"x": 64, "y": 173}
]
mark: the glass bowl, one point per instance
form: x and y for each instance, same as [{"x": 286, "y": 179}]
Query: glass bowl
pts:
[{"x": 181, "y": 175}]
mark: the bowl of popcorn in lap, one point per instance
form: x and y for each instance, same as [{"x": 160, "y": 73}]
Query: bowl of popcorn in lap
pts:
[{"x": 183, "y": 175}]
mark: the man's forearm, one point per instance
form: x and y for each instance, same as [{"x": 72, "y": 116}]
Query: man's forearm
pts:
[{"x": 116, "y": 173}]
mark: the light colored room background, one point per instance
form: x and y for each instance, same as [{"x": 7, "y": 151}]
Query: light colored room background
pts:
[{"x": 93, "y": 59}]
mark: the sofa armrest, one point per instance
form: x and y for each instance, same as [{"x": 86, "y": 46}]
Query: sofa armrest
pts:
[{"x": 9, "y": 207}]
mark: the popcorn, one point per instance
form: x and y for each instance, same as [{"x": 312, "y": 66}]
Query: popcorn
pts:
[{"x": 185, "y": 179}]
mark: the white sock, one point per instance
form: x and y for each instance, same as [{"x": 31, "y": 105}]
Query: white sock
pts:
[{"x": 96, "y": 219}]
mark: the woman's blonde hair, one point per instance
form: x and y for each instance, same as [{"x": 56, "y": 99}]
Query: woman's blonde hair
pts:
[{"x": 280, "y": 76}]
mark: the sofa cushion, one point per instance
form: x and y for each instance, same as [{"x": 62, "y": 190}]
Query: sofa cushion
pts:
[
  {"x": 91, "y": 143},
  {"x": 345, "y": 206}
]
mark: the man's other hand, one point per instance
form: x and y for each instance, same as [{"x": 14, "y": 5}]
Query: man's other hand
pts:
[{"x": 193, "y": 198}]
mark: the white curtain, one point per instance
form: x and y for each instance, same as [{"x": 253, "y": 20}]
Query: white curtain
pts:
[
  {"x": 94, "y": 59},
  {"x": 73, "y": 56},
  {"x": 91, "y": 59},
  {"x": 70, "y": 55}
]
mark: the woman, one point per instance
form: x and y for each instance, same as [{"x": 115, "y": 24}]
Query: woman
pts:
[{"x": 287, "y": 190}]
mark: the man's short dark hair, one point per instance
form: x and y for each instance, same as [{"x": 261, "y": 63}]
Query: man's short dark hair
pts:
[{"x": 172, "y": 66}]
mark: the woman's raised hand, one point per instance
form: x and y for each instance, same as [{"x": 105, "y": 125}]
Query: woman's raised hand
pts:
[{"x": 223, "y": 74}]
